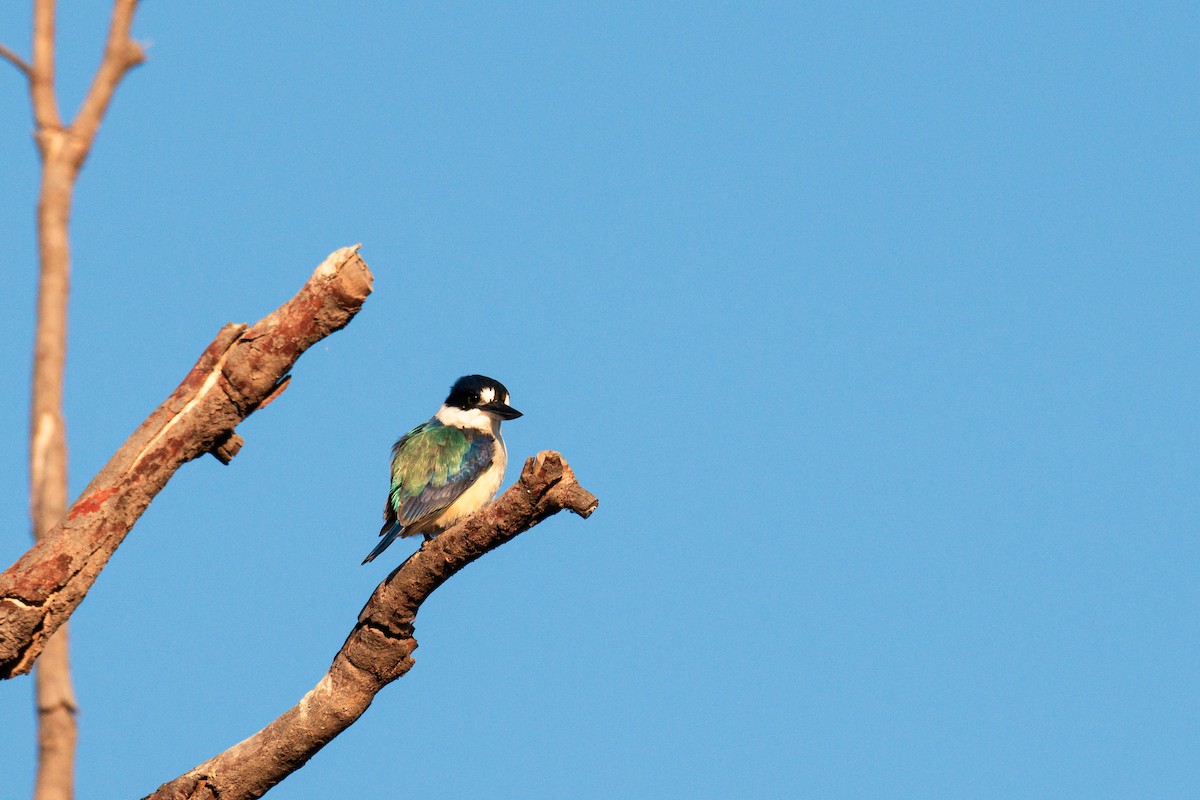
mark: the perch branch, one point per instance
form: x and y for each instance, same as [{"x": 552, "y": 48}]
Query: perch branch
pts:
[
  {"x": 243, "y": 367},
  {"x": 380, "y": 645}
]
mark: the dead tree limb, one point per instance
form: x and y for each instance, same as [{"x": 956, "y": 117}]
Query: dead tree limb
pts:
[
  {"x": 380, "y": 646},
  {"x": 243, "y": 369}
]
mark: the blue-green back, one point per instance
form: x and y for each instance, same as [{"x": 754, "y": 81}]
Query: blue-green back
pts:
[{"x": 431, "y": 466}]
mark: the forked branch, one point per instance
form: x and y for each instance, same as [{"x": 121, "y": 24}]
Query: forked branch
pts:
[
  {"x": 63, "y": 150},
  {"x": 380, "y": 645},
  {"x": 121, "y": 54}
]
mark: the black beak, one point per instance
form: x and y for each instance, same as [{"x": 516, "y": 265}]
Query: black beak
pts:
[{"x": 501, "y": 410}]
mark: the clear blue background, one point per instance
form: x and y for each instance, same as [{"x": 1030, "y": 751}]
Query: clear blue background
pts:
[{"x": 873, "y": 326}]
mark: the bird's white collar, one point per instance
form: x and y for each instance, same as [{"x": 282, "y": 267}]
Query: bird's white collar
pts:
[{"x": 469, "y": 418}]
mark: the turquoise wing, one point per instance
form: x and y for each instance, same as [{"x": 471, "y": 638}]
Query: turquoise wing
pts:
[{"x": 431, "y": 466}]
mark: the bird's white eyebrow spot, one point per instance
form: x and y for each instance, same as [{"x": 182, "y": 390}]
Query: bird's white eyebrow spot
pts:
[{"x": 487, "y": 395}]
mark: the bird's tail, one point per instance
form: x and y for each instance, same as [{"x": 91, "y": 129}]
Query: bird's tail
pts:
[{"x": 389, "y": 536}]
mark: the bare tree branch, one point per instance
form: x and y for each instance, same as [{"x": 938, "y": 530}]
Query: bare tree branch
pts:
[
  {"x": 14, "y": 59},
  {"x": 380, "y": 646},
  {"x": 41, "y": 79},
  {"x": 121, "y": 54},
  {"x": 241, "y": 370},
  {"x": 57, "y": 731}
]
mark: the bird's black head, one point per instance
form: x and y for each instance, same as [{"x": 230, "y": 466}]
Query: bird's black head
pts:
[{"x": 484, "y": 393}]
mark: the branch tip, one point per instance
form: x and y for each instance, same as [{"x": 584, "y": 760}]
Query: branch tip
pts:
[
  {"x": 580, "y": 501},
  {"x": 228, "y": 447},
  {"x": 135, "y": 53},
  {"x": 335, "y": 261}
]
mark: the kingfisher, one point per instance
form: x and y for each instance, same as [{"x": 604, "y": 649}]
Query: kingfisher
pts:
[{"x": 450, "y": 466}]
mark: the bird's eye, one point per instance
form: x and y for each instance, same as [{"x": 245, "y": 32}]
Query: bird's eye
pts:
[{"x": 473, "y": 399}]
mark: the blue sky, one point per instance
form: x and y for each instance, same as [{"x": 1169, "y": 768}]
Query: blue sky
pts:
[{"x": 873, "y": 327}]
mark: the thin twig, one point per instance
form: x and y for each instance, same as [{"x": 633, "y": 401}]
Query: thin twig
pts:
[
  {"x": 121, "y": 53},
  {"x": 14, "y": 59}
]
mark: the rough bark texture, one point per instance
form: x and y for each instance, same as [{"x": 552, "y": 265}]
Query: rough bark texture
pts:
[
  {"x": 380, "y": 646},
  {"x": 243, "y": 368}
]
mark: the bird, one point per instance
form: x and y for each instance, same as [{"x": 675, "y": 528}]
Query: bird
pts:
[{"x": 450, "y": 466}]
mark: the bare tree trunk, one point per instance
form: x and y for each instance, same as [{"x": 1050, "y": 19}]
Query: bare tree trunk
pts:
[
  {"x": 63, "y": 151},
  {"x": 54, "y": 696},
  {"x": 57, "y": 733}
]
